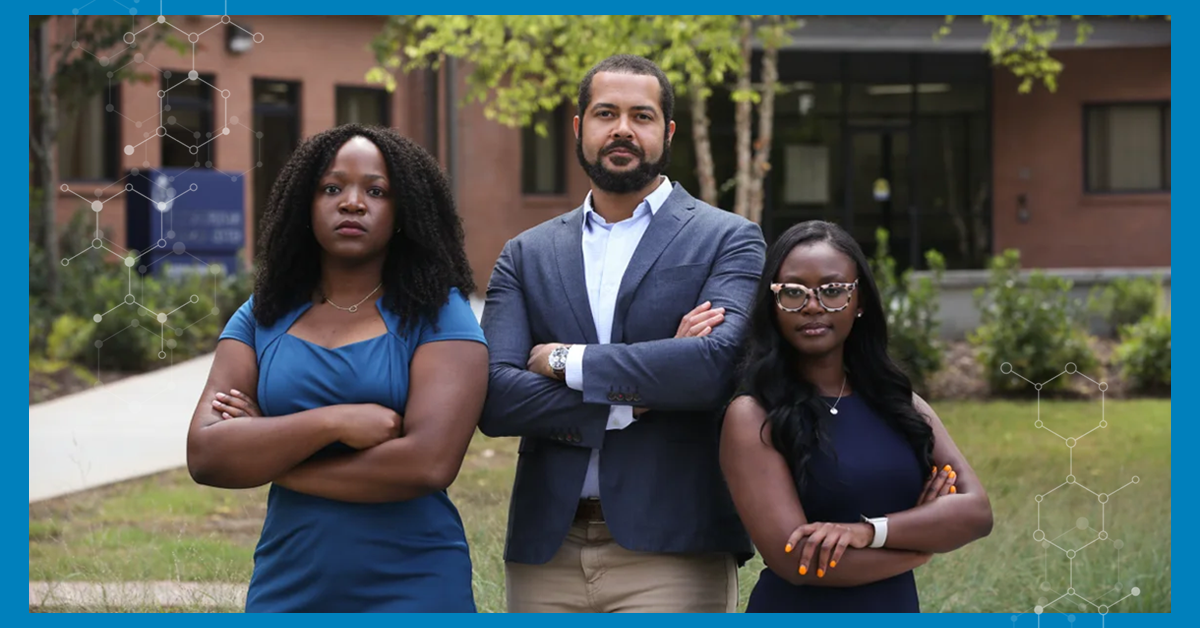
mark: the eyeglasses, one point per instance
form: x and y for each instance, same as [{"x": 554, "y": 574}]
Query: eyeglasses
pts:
[{"x": 834, "y": 297}]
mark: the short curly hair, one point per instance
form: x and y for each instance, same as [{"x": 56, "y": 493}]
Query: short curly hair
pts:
[{"x": 424, "y": 261}]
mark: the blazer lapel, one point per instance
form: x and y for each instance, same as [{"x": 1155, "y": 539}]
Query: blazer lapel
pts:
[
  {"x": 664, "y": 226},
  {"x": 568, "y": 249}
]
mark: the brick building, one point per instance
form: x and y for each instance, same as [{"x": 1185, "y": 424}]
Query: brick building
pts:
[{"x": 879, "y": 125}]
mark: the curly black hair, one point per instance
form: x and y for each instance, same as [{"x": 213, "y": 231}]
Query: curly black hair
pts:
[{"x": 424, "y": 261}]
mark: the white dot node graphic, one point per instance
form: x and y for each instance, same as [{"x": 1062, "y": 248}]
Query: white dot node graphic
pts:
[
  {"x": 1075, "y": 540},
  {"x": 150, "y": 313}
]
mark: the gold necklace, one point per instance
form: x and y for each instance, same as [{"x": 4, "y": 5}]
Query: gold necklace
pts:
[{"x": 352, "y": 308}]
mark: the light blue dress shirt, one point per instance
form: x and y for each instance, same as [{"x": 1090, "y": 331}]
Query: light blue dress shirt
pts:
[{"x": 607, "y": 249}]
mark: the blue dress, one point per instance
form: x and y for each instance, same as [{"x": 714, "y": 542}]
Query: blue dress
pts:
[
  {"x": 323, "y": 555},
  {"x": 876, "y": 472}
]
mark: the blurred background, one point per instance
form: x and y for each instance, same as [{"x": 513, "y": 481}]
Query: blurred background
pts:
[{"x": 1008, "y": 175}]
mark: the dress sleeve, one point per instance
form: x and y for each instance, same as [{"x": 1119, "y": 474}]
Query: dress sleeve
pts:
[
  {"x": 241, "y": 325},
  {"x": 456, "y": 321}
]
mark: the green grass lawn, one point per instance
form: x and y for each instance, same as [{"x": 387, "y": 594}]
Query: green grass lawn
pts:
[{"x": 167, "y": 528}]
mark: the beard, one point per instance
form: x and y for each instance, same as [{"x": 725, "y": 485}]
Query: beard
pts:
[{"x": 626, "y": 181}]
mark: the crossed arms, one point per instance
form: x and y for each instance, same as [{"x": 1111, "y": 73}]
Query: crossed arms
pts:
[
  {"x": 522, "y": 402},
  {"x": 230, "y": 445}
]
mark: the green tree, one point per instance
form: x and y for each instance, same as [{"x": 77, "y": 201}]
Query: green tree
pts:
[
  {"x": 522, "y": 65},
  {"x": 1022, "y": 44},
  {"x": 63, "y": 76}
]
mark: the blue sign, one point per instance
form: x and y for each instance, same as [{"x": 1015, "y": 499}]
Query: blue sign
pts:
[{"x": 176, "y": 215}]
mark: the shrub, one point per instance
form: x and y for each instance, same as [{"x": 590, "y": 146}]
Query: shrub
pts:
[
  {"x": 1144, "y": 354},
  {"x": 70, "y": 338},
  {"x": 130, "y": 335},
  {"x": 912, "y": 309},
  {"x": 1032, "y": 325},
  {"x": 1126, "y": 300}
]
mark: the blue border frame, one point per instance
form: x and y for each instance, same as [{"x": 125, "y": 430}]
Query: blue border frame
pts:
[{"x": 1183, "y": 467}]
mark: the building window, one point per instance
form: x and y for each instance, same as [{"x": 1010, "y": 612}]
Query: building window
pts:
[
  {"x": 88, "y": 136},
  {"x": 1127, "y": 147},
  {"x": 187, "y": 116},
  {"x": 362, "y": 105},
  {"x": 543, "y": 156}
]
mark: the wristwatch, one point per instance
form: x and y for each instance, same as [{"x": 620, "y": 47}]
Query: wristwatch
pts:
[
  {"x": 558, "y": 362},
  {"x": 880, "y": 525}
]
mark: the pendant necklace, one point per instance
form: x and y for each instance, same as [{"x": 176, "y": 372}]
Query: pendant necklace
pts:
[
  {"x": 833, "y": 408},
  {"x": 352, "y": 308}
]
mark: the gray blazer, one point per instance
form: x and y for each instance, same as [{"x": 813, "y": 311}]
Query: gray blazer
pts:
[{"x": 660, "y": 482}]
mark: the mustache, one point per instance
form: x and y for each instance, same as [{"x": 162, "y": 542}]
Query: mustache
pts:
[{"x": 623, "y": 145}]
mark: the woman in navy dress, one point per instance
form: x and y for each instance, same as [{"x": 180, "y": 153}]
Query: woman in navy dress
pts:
[
  {"x": 352, "y": 382},
  {"x": 845, "y": 479}
]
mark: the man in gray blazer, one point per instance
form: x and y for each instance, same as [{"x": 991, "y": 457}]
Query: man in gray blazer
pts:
[{"x": 613, "y": 332}]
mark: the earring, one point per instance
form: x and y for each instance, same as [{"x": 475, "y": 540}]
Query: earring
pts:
[{"x": 859, "y": 315}]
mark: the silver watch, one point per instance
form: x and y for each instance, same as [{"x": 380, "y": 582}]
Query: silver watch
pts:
[{"x": 558, "y": 361}]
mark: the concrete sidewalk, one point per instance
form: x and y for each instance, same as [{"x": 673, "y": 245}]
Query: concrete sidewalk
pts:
[
  {"x": 130, "y": 428},
  {"x": 120, "y": 431},
  {"x": 103, "y": 596}
]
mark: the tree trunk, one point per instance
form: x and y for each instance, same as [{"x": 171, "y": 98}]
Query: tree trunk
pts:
[
  {"x": 44, "y": 149},
  {"x": 742, "y": 120},
  {"x": 766, "y": 119},
  {"x": 703, "y": 142}
]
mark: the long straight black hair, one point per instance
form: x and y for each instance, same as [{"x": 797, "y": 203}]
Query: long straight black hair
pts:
[{"x": 770, "y": 366}]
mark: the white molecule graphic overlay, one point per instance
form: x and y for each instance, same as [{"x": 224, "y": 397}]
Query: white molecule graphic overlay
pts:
[
  {"x": 1071, "y": 551},
  {"x": 176, "y": 318}
]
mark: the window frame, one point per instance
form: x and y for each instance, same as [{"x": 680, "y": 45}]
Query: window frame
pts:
[
  {"x": 110, "y": 141},
  {"x": 384, "y": 95},
  {"x": 1164, "y": 106},
  {"x": 557, "y": 123}
]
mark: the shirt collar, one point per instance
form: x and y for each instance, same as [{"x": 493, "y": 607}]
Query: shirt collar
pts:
[{"x": 654, "y": 200}]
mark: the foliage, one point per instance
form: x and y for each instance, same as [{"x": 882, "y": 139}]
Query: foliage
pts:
[
  {"x": 1126, "y": 300},
  {"x": 1144, "y": 354},
  {"x": 1030, "y": 324},
  {"x": 131, "y": 337},
  {"x": 1022, "y": 44},
  {"x": 524, "y": 64},
  {"x": 912, "y": 308}
]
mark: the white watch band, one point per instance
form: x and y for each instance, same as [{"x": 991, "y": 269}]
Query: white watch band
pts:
[{"x": 881, "y": 529}]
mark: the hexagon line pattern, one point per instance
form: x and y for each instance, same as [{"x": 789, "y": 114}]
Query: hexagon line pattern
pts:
[
  {"x": 164, "y": 194},
  {"x": 1082, "y": 523}
]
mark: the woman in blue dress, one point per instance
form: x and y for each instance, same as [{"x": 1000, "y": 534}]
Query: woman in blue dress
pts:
[
  {"x": 351, "y": 381},
  {"x": 845, "y": 479}
]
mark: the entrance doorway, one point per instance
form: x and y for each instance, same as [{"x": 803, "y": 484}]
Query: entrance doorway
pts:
[{"x": 878, "y": 188}]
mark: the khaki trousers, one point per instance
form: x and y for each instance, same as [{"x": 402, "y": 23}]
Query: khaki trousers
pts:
[{"x": 591, "y": 573}]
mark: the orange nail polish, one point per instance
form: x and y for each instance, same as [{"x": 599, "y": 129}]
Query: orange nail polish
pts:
[
  {"x": 953, "y": 475},
  {"x": 803, "y": 570},
  {"x": 833, "y": 563},
  {"x": 953, "y": 489},
  {"x": 820, "y": 573},
  {"x": 788, "y": 548},
  {"x": 947, "y": 469}
]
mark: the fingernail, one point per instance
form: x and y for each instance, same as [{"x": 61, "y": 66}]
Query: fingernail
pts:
[
  {"x": 234, "y": 391},
  {"x": 947, "y": 469},
  {"x": 788, "y": 548},
  {"x": 953, "y": 475},
  {"x": 803, "y": 570},
  {"x": 953, "y": 489},
  {"x": 216, "y": 403},
  {"x": 820, "y": 573},
  {"x": 833, "y": 563},
  {"x": 220, "y": 395}
]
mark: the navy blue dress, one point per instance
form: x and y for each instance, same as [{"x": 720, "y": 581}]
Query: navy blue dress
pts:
[
  {"x": 876, "y": 472},
  {"x": 324, "y": 555}
]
